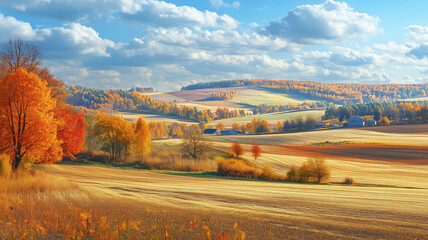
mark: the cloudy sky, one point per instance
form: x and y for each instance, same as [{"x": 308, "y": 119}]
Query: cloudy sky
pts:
[{"x": 168, "y": 44}]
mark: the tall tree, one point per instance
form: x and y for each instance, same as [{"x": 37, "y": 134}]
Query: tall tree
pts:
[
  {"x": 114, "y": 134},
  {"x": 71, "y": 130},
  {"x": 377, "y": 114},
  {"x": 142, "y": 140},
  {"x": 27, "y": 124}
]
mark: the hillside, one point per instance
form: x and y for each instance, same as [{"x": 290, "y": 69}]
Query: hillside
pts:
[{"x": 339, "y": 93}]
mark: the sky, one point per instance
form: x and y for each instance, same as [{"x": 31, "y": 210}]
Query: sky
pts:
[{"x": 169, "y": 44}]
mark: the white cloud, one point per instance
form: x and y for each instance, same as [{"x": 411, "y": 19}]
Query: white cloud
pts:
[
  {"x": 10, "y": 28},
  {"x": 149, "y": 12},
  {"x": 418, "y": 41},
  {"x": 220, "y": 3},
  {"x": 324, "y": 23},
  {"x": 162, "y": 14},
  {"x": 72, "y": 39}
]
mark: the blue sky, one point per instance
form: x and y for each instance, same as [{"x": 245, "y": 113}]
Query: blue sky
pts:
[{"x": 168, "y": 44}]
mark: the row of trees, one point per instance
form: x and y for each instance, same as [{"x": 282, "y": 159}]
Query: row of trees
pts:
[
  {"x": 255, "y": 126},
  {"x": 223, "y": 96},
  {"x": 107, "y": 100},
  {"x": 338, "y": 93},
  {"x": 307, "y": 105},
  {"x": 395, "y": 112},
  {"x": 36, "y": 125}
]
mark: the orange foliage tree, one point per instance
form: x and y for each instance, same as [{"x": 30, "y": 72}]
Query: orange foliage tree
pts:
[
  {"x": 237, "y": 149},
  {"x": 71, "y": 130},
  {"x": 256, "y": 151},
  {"x": 27, "y": 124},
  {"x": 142, "y": 139}
]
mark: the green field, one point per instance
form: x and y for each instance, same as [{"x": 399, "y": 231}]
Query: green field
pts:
[
  {"x": 281, "y": 116},
  {"x": 257, "y": 96}
]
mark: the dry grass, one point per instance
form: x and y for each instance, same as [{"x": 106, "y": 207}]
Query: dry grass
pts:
[
  {"x": 242, "y": 168},
  {"x": 263, "y": 210},
  {"x": 34, "y": 181},
  {"x": 26, "y": 215},
  {"x": 178, "y": 163}
]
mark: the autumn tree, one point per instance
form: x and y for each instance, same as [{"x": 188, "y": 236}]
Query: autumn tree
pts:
[
  {"x": 27, "y": 124},
  {"x": 220, "y": 126},
  {"x": 237, "y": 149},
  {"x": 194, "y": 143},
  {"x": 114, "y": 134},
  {"x": 71, "y": 130},
  {"x": 256, "y": 151},
  {"x": 142, "y": 139}
]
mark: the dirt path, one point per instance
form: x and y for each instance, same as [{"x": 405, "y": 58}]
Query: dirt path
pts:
[{"x": 330, "y": 210}]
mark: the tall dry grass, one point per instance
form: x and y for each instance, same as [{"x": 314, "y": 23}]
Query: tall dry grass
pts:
[
  {"x": 29, "y": 209},
  {"x": 244, "y": 169}
]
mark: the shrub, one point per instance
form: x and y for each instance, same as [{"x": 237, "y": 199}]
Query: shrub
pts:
[
  {"x": 349, "y": 181},
  {"x": 268, "y": 173},
  {"x": 5, "y": 165},
  {"x": 293, "y": 174},
  {"x": 312, "y": 170},
  {"x": 237, "y": 168}
]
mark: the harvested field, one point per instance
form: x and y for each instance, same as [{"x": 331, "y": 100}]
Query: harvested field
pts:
[
  {"x": 406, "y": 129},
  {"x": 267, "y": 210},
  {"x": 149, "y": 117},
  {"x": 363, "y": 135}
]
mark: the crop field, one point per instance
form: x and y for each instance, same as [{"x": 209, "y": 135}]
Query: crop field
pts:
[
  {"x": 257, "y": 96},
  {"x": 165, "y": 118},
  {"x": 363, "y": 135},
  {"x": 262, "y": 210}
]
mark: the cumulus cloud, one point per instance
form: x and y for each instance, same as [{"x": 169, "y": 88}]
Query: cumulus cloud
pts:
[
  {"x": 220, "y": 3},
  {"x": 10, "y": 27},
  {"x": 162, "y": 14},
  {"x": 418, "y": 41},
  {"x": 149, "y": 12},
  {"x": 67, "y": 41},
  {"x": 324, "y": 23}
]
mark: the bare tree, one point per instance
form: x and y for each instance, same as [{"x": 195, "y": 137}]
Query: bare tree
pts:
[
  {"x": 195, "y": 144},
  {"x": 18, "y": 54}
]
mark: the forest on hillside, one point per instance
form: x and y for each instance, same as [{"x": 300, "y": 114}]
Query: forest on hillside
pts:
[{"x": 338, "y": 93}]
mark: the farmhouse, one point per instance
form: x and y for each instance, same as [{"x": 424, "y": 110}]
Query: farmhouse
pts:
[
  {"x": 210, "y": 131},
  {"x": 356, "y": 121},
  {"x": 229, "y": 132}
]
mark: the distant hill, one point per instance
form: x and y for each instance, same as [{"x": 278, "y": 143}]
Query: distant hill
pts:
[{"x": 338, "y": 93}]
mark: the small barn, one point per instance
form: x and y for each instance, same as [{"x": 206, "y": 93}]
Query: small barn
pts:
[
  {"x": 371, "y": 123},
  {"x": 229, "y": 132},
  {"x": 211, "y": 131},
  {"x": 356, "y": 121}
]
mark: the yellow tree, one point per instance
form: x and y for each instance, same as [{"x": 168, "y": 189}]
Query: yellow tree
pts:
[
  {"x": 114, "y": 134},
  {"x": 142, "y": 139},
  {"x": 27, "y": 124}
]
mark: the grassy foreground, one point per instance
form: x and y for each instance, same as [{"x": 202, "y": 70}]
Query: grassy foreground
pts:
[{"x": 42, "y": 206}]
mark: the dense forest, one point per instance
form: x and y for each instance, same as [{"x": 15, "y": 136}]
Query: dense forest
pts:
[
  {"x": 394, "y": 112},
  {"x": 107, "y": 100},
  {"x": 338, "y": 93}
]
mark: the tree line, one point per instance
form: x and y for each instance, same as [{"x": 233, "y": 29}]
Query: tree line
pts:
[
  {"x": 386, "y": 112},
  {"x": 338, "y": 93},
  {"x": 307, "y": 105},
  {"x": 223, "y": 96},
  {"x": 107, "y": 100}
]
